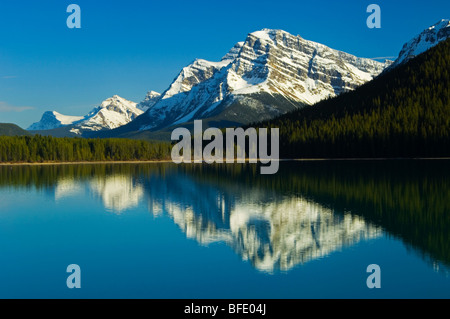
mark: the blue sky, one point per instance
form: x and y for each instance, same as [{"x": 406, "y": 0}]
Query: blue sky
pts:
[{"x": 131, "y": 47}]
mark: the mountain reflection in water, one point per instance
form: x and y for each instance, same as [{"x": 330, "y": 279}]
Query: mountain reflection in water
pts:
[{"x": 304, "y": 212}]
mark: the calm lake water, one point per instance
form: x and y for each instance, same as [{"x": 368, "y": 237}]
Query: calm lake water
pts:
[{"x": 225, "y": 231}]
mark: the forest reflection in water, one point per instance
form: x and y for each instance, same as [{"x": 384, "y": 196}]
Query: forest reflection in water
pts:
[{"x": 307, "y": 210}]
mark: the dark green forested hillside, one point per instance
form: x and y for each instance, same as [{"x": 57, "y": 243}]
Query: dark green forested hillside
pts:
[
  {"x": 402, "y": 113},
  {"x": 52, "y": 149},
  {"x": 9, "y": 129}
]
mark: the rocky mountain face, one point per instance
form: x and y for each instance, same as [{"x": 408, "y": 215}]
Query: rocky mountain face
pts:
[
  {"x": 268, "y": 74},
  {"x": 150, "y": 99},
  {"x": 110, "y": 114},
  {"x": 427, "y": 39}
]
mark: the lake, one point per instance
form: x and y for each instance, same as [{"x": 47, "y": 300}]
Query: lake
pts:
[{"x": 163, "y": 230}]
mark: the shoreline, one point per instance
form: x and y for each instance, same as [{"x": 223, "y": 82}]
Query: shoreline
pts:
[
  {"x": 85, "y": 163},
  {"x": 170, "y": 161}
]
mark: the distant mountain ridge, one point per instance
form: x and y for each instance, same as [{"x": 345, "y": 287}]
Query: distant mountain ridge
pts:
[
  {"x": 53, "y": 119},
  {"x": 9, "y": 129},
  {"x": 111, "y": 113}
]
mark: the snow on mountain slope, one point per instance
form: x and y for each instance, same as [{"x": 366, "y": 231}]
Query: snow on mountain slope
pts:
[
  {"x": 268, "y": 64},
  {"x": 430, "y": 37},
  {"x": 111, "y": 113},
  {"x": 53, "y": 119},
  {"x": 150, "y": 99},
  {"x": 234, "y": 52}
]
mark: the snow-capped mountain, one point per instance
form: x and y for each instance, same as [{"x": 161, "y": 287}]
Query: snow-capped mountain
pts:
[
  {"x": 430, "y": 37},
  {"x": 111, "y": 113},
  {"x": 53, "y": 119},
  {"x": 268, "y": 74},
  {"x": 150, "y": 99}
]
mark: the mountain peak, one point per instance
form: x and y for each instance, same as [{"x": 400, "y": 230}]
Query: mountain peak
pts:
[
  {"x": 53, "y": 119},
  {"x": 116, "y": 100},
  {"x": 152, "y": 94},
  {"x": 234, "y": 52},
  {"x": 268, "y": 31},
  {"x": 111, "y": 113},
  {"x": 427, "y": 39},
  {"x": 268, "y": 74},
  {"x": 150, "y": 99},
  {"x": 268, "y": 34},
  {"x": 272, "y": 34},
  {"x": 443, "y": 23},
  {"x": 115, "y": 97}
]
